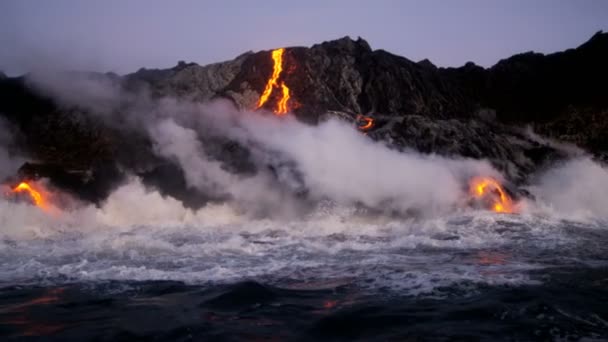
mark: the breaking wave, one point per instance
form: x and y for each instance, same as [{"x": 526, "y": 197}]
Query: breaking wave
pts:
[{"x": 137, "y": 234}]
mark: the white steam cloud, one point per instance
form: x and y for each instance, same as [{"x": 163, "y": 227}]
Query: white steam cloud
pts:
[
  {"x": 339, "y": 163},
  {"x": 331, "y": 161},
  {"x": 299, "y": 165},
  {"x": 576, "y": 188}
]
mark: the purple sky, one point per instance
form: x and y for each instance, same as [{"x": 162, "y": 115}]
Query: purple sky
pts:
[{"x": 124, "y": 35}]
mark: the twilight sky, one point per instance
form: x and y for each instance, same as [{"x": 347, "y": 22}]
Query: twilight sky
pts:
[{"x": 124, "y": 35}]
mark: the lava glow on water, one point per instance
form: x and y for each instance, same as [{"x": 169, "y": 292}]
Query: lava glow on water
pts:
[
  {"x": 489, "y": 189},
  {"x": 273, "y": 82},
  {"x": 36, "y": 195}
]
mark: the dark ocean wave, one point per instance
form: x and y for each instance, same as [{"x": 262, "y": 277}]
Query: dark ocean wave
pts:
[{"x": 569, "y": 305}]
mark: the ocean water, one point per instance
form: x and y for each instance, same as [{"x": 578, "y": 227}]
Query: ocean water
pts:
[{"x": 335, "y": 274}]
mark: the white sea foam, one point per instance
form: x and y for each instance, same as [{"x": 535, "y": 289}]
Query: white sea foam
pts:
[{"x": 139, "y": 235}]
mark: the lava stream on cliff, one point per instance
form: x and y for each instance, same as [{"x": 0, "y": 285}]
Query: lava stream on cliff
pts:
[
  {"x": 36, "y": 194},
  {"x": 273, "y": 82},
  {"x": 364, "y": 123},
  {"x": 492, "y": 193}
]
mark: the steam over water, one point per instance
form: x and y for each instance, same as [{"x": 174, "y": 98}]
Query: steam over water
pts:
[
  {"x": 228, "y": 274},
  {"x": 120, "y": 263},
  {"x": 342, "y": 237},
  {"x": 139, "y": 235}
]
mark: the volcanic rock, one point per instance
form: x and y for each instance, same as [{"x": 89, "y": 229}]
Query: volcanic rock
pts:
[{"x": 469, "y": 111}]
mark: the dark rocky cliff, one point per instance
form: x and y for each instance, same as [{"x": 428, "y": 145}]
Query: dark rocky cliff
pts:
[{"x": 468, "y": 111}]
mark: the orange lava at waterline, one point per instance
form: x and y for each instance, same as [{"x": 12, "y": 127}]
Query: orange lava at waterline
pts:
[
  {"x": 491, "y": 189},
  {"x": 36, "y": 196},
  {"x": 273, "y": 82},
  {"x": 365, "y": 122}
]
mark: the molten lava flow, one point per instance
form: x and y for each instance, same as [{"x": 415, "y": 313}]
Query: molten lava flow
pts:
[
  {"x": 489, "y": 189},
  {"x": 34, "y": 194},
  {"x": 277, "y": 57},
  {"x": 282, "y": 106},
  {"x": 365, "y": 122},
  {"x": 273, "y": 82}
]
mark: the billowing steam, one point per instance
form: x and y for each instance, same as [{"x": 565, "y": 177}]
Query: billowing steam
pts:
[
  {"x": 133, "y": 205},
  {"x": 298, "y": 166},
  {"x": 338, "y": 163},
  {"x": 575, "y": 189},
  {"x": 331, "y": 161}
]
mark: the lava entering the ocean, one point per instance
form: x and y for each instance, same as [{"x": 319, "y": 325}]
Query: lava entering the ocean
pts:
[
  {"x": 364, "y": 123},
  {"x": 492, "y": 192},
  {"x": 273, "y": 82},
  {"x": 36, "y": 195}
]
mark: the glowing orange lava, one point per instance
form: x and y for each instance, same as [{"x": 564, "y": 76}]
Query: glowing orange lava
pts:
[
  {"x": 364, "y": 122},
  {"x": 489, "y": 189},
  {"x": 273, "y": 82},
  {"x": 282, "y": 106},
  {"x": 34, "y": 194}
]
